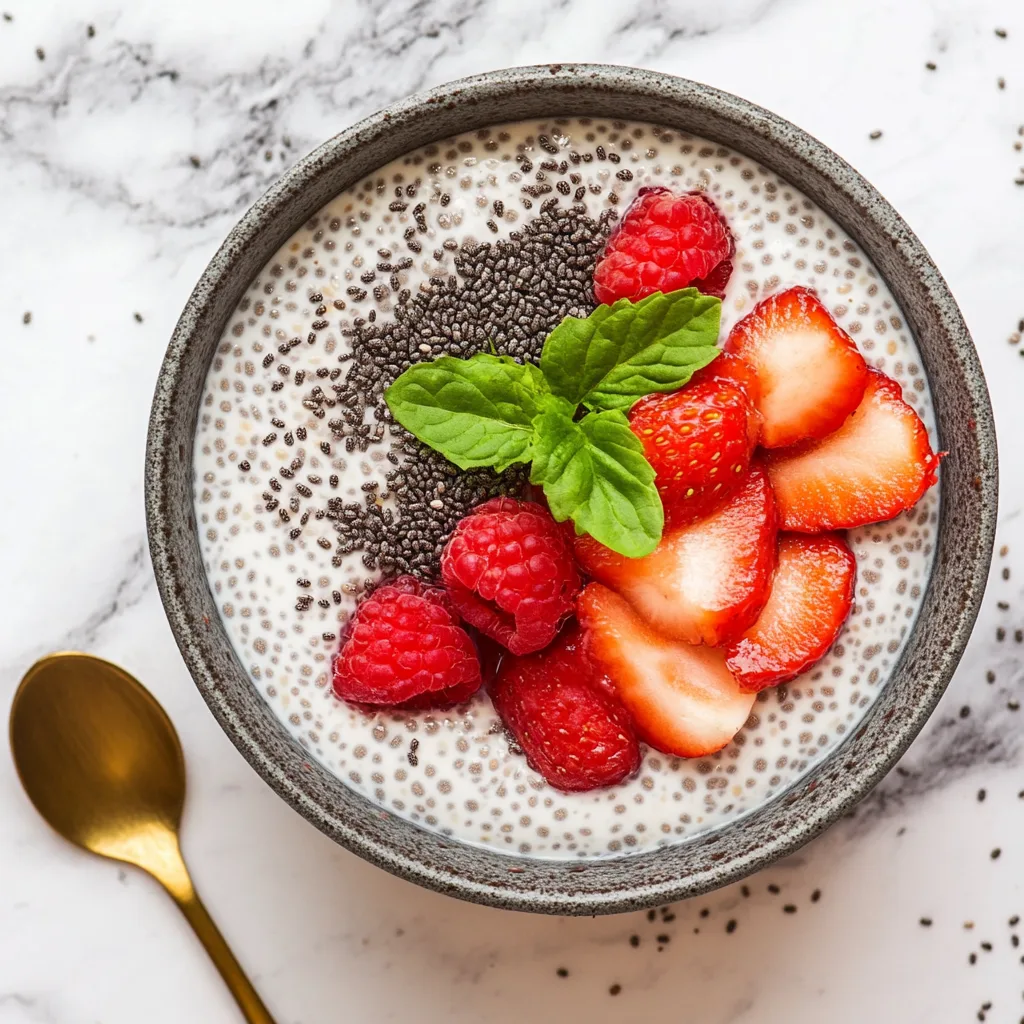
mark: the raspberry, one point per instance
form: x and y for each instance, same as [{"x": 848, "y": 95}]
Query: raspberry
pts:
[
  {"x": 663, "y": 243},
  {"x": 715, "y": 283},
  {"x": 510, "y": 571},
  {"x": 699, "y": 441},
  {"x": 404, "y": 643},
  {"x": 572, "y": 729}
]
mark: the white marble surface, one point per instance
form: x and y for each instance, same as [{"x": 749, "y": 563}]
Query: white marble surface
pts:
[{"x": 130, "y": 142}]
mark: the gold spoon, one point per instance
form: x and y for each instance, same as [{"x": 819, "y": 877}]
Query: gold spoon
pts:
[{"x": 102, "y": 763}]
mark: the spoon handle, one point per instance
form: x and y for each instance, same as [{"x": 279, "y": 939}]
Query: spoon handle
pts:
[
  {"x": 157, "y": 851},
  {"x": 224, "y": 960}
]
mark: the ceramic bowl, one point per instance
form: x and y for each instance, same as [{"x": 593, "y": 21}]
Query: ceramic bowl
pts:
[{"x": 963, "y": 544}]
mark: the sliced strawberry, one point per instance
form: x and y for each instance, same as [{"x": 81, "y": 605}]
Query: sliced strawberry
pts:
[
  {"x": 812, "y": 375},
  {"x": 699, "y": 441},
  {"x": 683, "y": 699},
  {"x": 877, "y": 464},
  {"x": 729, "y": 366},
  {"x": 707, "y": 582},
  {"x": 572, "y": 728},
  {"x": 811, "y": 597}
]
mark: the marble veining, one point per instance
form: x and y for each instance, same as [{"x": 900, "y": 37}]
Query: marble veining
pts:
[{"x": 131, "y": 139}]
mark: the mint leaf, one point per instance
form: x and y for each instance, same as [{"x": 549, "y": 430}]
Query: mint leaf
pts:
[
  {"x": 625, "y": 351},
  {"x": 593, "y": 471},
  {"x": 475, "y": 412}
]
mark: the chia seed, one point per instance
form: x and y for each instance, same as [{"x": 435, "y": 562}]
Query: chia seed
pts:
[{"x": 509, "y": 293}]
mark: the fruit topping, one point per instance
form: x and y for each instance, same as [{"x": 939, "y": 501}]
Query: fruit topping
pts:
[
  {"x": 510, "y": 572},
  {"x": 810, "y": 599},
  {"x": 404, "y": 643},
  {"x": 683, "y": 699},
  {"x": 570, "y": 727},
  {"x": 878, "y": 463},
  {"x": 699, "y": 441},
  {"x": 664, "y": 242},
  {"x": 812, "y": 376},
  {"x": 728, "y": 366},
  {"x": 706, "y": 583}
]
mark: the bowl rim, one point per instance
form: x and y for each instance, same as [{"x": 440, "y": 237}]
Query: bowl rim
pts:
[{"x": 862, "y": 776}]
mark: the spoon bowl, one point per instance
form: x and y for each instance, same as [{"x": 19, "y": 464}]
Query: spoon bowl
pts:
[
  {"x": 96, "y": 754},
  {"x": 102, "y": 763}
]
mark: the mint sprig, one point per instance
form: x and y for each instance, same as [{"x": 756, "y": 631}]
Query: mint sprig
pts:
[
  {"x": 476, "y": 412},
  {"x": 593, "y": 471},
  {"x": 492, "y": 411},
  {"x": 622, "y": 352}
]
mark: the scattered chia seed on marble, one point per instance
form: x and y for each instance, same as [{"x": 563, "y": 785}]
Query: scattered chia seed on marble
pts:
[
  {"x": 926, "y": 922},
  {"x": 932, "y": 66},
  {"x": 26, "y": 317},
  {"x": 614, "y": 990},
  {"x": 730, "y": 926},
  {"x": 789, "y": 908},
  {"x": 562, "y": 972},
  {"x": 138, "y": 318},
  {"x": 875, "y": 135},
  {"x": 40, "y": 53}
]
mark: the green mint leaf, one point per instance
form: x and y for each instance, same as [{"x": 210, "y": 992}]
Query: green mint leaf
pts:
[
  {"x": 475, "y": 412},
  {"x": 593, "y": 471},
  {"x": 625, "y": 351}
]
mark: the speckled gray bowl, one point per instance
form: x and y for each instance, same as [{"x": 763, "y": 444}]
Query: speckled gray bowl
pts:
[{"x": 965, "y": 534}]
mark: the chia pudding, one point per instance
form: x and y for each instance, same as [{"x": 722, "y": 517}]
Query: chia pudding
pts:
[{"x": 307, "y": 494}]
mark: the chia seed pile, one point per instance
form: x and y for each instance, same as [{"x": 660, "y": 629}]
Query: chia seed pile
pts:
[
  {"x": 506, "y": 294},
  {"x": 306, "y": 492}
]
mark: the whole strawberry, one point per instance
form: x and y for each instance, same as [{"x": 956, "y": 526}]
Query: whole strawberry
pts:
[
  {"x": 570, "y": 726},
  {"x": 699, "y": 440},
  {"x": 510, "y": 572},
  {"x": 665, "y": 242},
  {"x": 405, "y": 646}
]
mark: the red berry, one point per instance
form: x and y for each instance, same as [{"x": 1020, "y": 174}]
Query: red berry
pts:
[
  {"x": 811, "y": 597},
  {"x": 699, "y": 441},
  {"x": 438, "y": 699},
  {"x": 664, "y": 242},
  {"x": 569, "y": 726},
  {"x": 811, "y": 374},
  {"x": 726, "y": 366},
  {"x": 876, "y": 465},
  {"x": 682, "y": 697},
  {"x": 704, "y": 583},
  {"x": 404, "y": 643},
  {"x": 510, "y": 571},
  {"x": 717, "y": 281}
]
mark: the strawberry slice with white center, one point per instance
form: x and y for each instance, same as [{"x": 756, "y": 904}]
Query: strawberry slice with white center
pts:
[
  {"x": 683, "y": 699},
  {"x": 811, "y": 597},
  {"x": 878, "y": 463},
  {"x": 704, "y": 583},
  {"x": 812, "y": 376}
]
